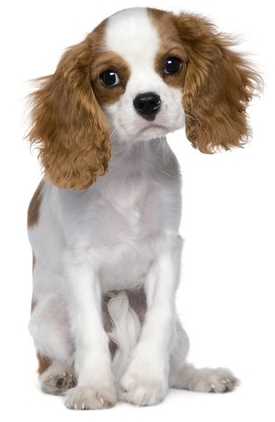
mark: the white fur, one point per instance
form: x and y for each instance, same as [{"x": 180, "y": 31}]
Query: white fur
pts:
[
  {"x": 132, "y": 35},
  {"x": 118, "y": 234}
]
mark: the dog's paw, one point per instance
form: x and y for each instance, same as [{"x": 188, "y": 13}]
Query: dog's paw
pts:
[
  {"x": 142, "y": 388},
  {"x": 86, "y": 398},
  {"x": 57, "y": 381},
  {"x": 217, "y": 380}
]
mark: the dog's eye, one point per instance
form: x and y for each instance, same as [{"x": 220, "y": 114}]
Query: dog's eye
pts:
[
  {"x": 110, "y": 78},
  {"x": 172, "y": 65}
]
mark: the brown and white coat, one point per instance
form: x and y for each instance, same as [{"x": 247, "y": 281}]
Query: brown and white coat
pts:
[{"x": 104, "y": 222}]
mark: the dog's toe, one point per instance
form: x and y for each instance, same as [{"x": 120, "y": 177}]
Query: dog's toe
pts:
[
  {"x": 86, "y": 398},
  {"x": 57, "y": 382},
  {"x": 217, "y": 380}
]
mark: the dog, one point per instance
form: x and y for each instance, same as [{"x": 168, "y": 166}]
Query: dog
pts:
[{"x": 104, "y": 221}]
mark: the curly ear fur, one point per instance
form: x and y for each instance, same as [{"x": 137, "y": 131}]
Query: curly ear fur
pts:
[
  {"x": 69, "y": 125},
  {"x": 219, "y": 84}
]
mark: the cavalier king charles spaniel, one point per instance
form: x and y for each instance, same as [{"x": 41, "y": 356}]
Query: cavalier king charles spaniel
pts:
[{"x": 104, "y": 222}]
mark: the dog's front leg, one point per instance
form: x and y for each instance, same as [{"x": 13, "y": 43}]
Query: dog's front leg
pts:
[
  {"x": 145, "y": 382},
  {"x": 95, "y": 388}
]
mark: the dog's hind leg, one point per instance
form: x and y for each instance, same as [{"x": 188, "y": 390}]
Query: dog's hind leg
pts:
[
  {"x": 57, "y": 379},
  {"x": 205, "y": 380},
  {"x": 50, "y": 331},
  {"x": 185, "y": 376}
]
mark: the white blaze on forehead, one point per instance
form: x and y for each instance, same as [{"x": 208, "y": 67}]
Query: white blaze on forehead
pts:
[{"x": 131, "y": 34}]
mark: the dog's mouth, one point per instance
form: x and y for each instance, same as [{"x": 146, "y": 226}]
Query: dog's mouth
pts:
[{"x": 153, "y": 127}]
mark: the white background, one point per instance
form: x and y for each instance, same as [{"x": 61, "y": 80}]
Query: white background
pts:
[{"x": 226, "y": 298}]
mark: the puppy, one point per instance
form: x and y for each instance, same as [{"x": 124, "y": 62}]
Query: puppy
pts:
[{"x": 103, "y": 223}]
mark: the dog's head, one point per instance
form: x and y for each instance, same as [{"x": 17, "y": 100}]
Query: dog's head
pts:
[{"x": 139, "y": 75}]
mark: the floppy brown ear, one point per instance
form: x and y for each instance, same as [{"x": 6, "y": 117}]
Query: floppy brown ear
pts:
[
  {"x": 68, "y": 124},
  {"x": 219, "y": 84}
]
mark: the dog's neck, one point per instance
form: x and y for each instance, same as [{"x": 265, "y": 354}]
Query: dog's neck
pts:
[{"x": 122, "y": 150}]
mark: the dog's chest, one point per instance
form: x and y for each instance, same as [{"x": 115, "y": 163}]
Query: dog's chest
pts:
[
  {"x": 122, "y": 218},
  {"x": 129, "y": 202},
  {"x": 132, "y": 226}
]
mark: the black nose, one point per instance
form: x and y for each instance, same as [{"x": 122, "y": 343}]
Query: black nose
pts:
[{"x": 147, "y": 105}]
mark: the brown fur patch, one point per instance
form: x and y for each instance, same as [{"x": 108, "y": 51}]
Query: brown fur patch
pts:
[
  {"x": 69, "y": 126},
  {"x": 171, "y": 46},
  {"x": 217, "y": 82},
  {"x": 34, "y": 208},
  {"x": 43, "y": 363},
  {"x": 109, "y": 61}
]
